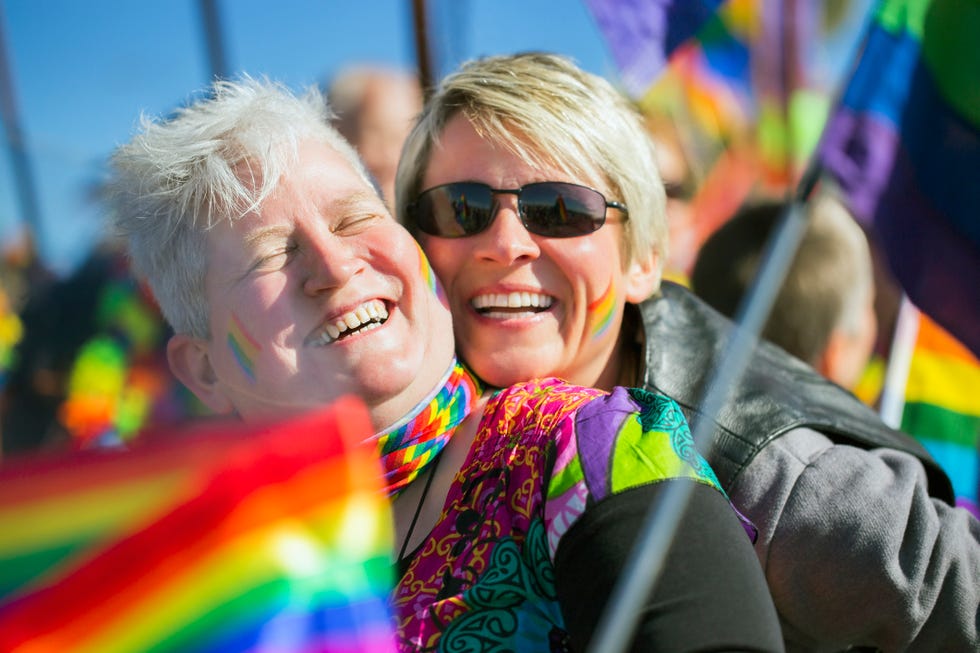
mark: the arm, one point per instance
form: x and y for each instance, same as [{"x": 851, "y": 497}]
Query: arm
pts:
[
  {"x": 711, "y": 595},
  {"x": 856, "y": 552}
]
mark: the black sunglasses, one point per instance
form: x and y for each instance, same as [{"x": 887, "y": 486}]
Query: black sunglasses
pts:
[{"x": 553, "y": 209}]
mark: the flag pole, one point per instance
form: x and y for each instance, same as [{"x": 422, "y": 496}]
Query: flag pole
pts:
[
  {"x": 423, "y": 53},
  {"x": 17, "y": 149},
  {"x": 214, "y": 38},
  {"x": 618, "y": 622}
]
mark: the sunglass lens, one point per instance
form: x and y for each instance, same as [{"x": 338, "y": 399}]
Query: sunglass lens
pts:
[
  {"x": 455, "y": 210},
  {"x": 558, "y": 210}
]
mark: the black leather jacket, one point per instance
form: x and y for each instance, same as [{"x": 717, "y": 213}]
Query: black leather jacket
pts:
[{"x": 777, "y": 392}]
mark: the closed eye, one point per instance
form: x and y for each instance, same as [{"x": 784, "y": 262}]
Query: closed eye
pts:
[
  {"x": 275, "y": 259},
  {"x": 355, "y": 224}
]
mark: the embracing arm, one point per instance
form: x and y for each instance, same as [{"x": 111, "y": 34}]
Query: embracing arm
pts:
[
  {"x": 856, "y": 552},
  {"x": 711, "y": 595}
]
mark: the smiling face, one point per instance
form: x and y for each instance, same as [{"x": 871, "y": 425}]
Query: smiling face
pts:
[
  {"x": 318, "y": 294},
  {"x": 523, "y": 305}
]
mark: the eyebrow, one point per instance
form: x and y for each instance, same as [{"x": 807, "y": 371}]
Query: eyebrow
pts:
[
  {"x": 266, "y": 234},
  {"x": 356, "y": 200},
  {"x": 348, "y": 202}
]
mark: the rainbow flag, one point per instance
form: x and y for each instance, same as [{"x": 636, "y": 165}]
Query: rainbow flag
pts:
[
  {"x": 941, "y": 402},
  {"x": 904, "y": 145},
  {"x": 643, "y": 34},
  {"x": 271, "y": 538}
]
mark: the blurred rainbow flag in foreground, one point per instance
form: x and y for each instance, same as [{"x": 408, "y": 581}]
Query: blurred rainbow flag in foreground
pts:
[{"x": 228, "y": 538}]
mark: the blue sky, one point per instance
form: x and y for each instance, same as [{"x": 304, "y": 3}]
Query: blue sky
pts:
[{"x": 82, "y": 71}]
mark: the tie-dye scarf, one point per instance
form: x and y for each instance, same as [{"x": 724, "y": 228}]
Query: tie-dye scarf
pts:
[{"x": 411, "y": 444}]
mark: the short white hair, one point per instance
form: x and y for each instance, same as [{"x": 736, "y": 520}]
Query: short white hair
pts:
[{"x": 177, "y": 178}]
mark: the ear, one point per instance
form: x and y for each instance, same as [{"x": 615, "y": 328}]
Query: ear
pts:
[
  {"x": 642, "y": 278},
  {"x": 826, "y": 360},
  {"x": 840, "y": 361},
  {"x": 191, "y": 364}
]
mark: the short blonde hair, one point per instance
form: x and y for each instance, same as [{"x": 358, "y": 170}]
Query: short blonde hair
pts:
[
  {"x": 829, "y": 284},
  {"x": 546, "y": 110}
]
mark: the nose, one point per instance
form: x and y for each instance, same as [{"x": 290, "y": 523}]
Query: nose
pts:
[
  {"x": 506, "y": 240},
  {"x": 329, "y": 263}
]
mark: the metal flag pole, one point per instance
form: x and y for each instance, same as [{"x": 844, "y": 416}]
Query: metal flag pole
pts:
[
  {"x": 17, "y": 148},
  {"x": 423, "y": 51},
  {"x": 214, "y": 38}
]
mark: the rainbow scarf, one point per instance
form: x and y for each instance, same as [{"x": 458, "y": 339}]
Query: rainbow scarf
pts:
[
  {"x": 274, "y": 538},
  {"x": 412, "y": 443}
]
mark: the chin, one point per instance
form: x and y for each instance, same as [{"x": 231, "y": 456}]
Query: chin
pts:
[
  {"x": 502, "y": 375},
  {"x": 394, "y": 377}
]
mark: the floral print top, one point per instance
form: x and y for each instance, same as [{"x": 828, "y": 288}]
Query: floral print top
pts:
[{"x": 545, "y": 452}]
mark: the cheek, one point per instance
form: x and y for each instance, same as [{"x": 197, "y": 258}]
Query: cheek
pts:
[
  {"x": 428, "y": 275},
  {"x": 243, "y": 346},
  {"x": 254, "y": 328},
  {"x": 447, "y": 259},
  {"x": 601, "y": 311},
  {"x": 588, "y": 264}
]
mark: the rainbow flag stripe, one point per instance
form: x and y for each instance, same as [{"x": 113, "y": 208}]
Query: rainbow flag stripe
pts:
[
  {"x": 942, "y": 409},
  {"x": 52, "y": 507},
  {"x": 280, "y": 542}
]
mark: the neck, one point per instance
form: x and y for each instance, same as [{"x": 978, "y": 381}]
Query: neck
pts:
[
  {"x": 626, "y": 364},
  {"x": 413, "y": 442}
]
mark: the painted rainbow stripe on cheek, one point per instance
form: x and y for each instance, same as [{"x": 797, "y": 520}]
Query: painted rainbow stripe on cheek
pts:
[
  {"x": 603, "y": 309},
  {"x": 429, "y": 275},
  {"x": 243, "y": 346}
]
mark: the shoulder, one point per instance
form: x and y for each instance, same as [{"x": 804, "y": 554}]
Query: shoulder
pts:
[
  {"x": 537, "y": 404},
  {"x": 626, "y": 438}
]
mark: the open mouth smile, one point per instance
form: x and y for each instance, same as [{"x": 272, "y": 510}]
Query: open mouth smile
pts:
[
  {"x": 505, "y": 305},
  {"x": 369, "y": 315}
]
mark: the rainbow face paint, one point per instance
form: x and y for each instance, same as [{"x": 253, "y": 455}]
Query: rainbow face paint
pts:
[
  {"x": 601, "y": 311},
  {"x": 429, "y": 275},
  {"x": 243, "y": 346}
]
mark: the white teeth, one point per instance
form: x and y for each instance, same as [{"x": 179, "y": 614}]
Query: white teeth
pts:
[
  {"x": 367, "y": 316},
  {"x": 511, "y": 300}
]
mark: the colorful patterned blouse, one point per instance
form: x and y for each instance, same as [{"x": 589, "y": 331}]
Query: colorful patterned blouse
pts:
[{"x": 545, "y": 452}]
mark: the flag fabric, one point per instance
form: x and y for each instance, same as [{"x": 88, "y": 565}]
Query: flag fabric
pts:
[
  {"x": 270, "y": 538},
  {"x": 941, "y": 401},
  {"x": 54, "y": 507},
  {"x": 903, "y": 143},
  {"x": 643, "y": 34}
]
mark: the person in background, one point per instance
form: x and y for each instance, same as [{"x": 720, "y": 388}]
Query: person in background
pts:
[
  {"x": 287, "y": 283},
  {"x": 533, "y": 189},
  {"x": 102, "y": 382},
  {"x": 824, "y": 312},
  {"x": 375, "y": 108},
  {"x": 680, "y": 186}
]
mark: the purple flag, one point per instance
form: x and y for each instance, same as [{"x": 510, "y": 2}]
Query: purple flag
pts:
[
  {"x": 642, "y": 34},
  {"x": 904, "y": 145}
]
